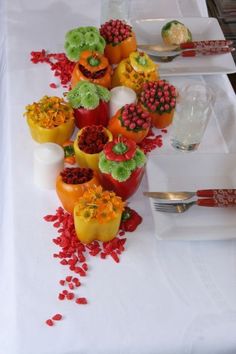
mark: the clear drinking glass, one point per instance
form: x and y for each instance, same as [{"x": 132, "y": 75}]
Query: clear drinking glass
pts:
[
  {"x": 192, "y": 115},
  {"x": 114, "y": 9}
]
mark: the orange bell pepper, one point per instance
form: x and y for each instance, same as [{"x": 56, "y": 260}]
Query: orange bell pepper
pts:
[
  {"x": 115, "y": 53},
  {"x": 116, "y": 128},
  {"x": 162, "y": 120},
  {"x": 70, "y": 193},
  {"x": 94, "y": 67}
]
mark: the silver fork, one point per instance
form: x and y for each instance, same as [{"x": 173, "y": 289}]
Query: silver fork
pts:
[{"x": 173, "y": 207}]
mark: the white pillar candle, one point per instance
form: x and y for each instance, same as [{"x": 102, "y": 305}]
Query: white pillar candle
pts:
[
  {"x": 48, "y": 163},
  {"x": 120, "y": 96}
]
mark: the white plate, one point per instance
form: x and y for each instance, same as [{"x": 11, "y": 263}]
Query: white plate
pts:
[
  {"x": 190, "y": 172},
  {"x": 202, "y": 28}
]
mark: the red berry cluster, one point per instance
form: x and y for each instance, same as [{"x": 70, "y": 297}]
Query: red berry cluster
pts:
[
  {"x": 133, "y": 117},
  {"x": 76, "y": 175},
  {"x": 158, "y": 96},
  {"x": 115, "y": 31},
  {"x": 92, "y": 139}
]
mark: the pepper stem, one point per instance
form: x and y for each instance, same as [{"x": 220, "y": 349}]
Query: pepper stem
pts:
[
  {"x": 120, "y": 148},
  {"x": 93, "y": 61}
]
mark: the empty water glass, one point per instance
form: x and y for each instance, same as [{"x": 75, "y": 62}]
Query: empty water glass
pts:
[
  {"x": 114, "y": 9},
  {"x": 192, "y": 116}
]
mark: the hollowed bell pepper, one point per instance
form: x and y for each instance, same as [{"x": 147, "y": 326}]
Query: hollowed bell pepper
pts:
[
  {"x": 58, "y": 135},
  {"x": 124, "y": 189},
  {"x": 96, "y": 116},
  {"x": 94, "y": 67},
  {"x": 133, "y": 124},
  {"x": 122, "y": 166},
  {"x": 116, "y": 53},
  {"x": 97, "y": 215},
  {"x": 162, "y": 120},
  {"x": 69, "y": 193},
  {"x": 90, "y": 230},
  {"x": 134, "y": 71},
  {"x": 84, "y": 159}
]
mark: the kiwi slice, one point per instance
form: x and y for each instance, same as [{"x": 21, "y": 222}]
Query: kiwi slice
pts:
[
  {"x": 139, "y": 158},
  {"x": 91, "y": 38},
  {"x": 84, "y": 87},
  {"x": 103, "y": 93},
  {"x": 120, "y": 173},
  {"x": 73, "y": 53},
  {"x": 129, "y": 164},
  {"x": 92, "y": 29},
  {"x": 90, "y": 100},
  {"x": 104, "y": 164},
  {"x": 98, "y": 47}
]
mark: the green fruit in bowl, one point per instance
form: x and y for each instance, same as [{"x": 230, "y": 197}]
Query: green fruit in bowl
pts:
[{"x": 175, "y": 33}]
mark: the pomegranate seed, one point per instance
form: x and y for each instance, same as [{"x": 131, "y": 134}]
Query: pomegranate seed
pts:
[
  {"x": 70, "y": 296},
  {"x": 62, "y": 282},
  {"x": 61, "y": 296},
  {"x": 57, "y": 317},
  {"x": 81, "y": 301},
  {"x": 54, "y": 86},
  {"x": 69, "y": 278},
  {"x": 49, "y": 322}
]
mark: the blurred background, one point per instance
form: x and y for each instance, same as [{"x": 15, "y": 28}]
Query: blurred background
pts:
[{"x": 225, "y": 12}]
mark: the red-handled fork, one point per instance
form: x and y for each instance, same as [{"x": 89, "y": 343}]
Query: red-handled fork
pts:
[
  {"x": 206, "y": 44},
  {"x": 220, "y": 196}
]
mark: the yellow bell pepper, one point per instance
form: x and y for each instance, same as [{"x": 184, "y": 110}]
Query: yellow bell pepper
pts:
[
  {"x": 88, "y": 231},
  {"x": 51, "y": 120},
  {"x": 58, "y": 135},
  {"x": 97, "y": 215},
  {"x": 135, "y": 70},
  {"x": 84, "y": 159}
]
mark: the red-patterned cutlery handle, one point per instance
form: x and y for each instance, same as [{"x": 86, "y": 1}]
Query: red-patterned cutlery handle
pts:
[
  {"x": 217, "y": 197},
  {"x": 216, "y": 193},
  {"x": 209, "y": 51},
  {"x": 206, "y": 44}
]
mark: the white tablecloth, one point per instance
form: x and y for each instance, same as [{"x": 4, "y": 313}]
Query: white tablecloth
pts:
[{"x": 163, "y": 297}]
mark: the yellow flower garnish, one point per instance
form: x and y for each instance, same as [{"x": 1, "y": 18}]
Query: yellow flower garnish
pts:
[
  {"x": 98, "y": 204},
  {"x": 49, "y": 112}
]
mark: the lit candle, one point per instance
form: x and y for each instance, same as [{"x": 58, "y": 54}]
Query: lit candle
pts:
[
  {"x": 120, "y": 96},
  {"x": 48, "y": 163}
]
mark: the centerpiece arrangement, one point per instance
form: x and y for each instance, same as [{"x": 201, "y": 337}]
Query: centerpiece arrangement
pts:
[
  {"x": 89, "y": 144},
  {"x": 72, "y": 182},
  {"x": 51, "y": 119},
  {"x": 92, "y": 66},
  {"x": 107, "y": 153},
  {"x": 120, "y": 40},
  {"x": 130, "y": 121},
  {"x": 158, "y": 98},
  {"x": 90, "y": 103},
  {"x": 135, "y": 70},
  {"x": 121, "y": 166},
  {"x": 97, "y": 215}
]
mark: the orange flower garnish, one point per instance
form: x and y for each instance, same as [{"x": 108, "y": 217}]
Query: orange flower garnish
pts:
[
  {"x": 98, "y": 204},
  {"x": 49, "y": 112}
]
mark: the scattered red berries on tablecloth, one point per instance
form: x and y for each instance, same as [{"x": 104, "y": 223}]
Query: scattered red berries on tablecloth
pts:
[
  {"x": 74, "y": 253},
  {"x": 59, "y": 64}
]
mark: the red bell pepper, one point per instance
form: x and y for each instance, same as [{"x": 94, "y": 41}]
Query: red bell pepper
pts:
[
  {"x": 96, "y": 116},
  {"x": 123, "y": 189},
  {"x": 130, "y": 220}
]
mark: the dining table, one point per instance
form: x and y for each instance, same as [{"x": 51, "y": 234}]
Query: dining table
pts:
[{"x": 165, "y": 295}]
